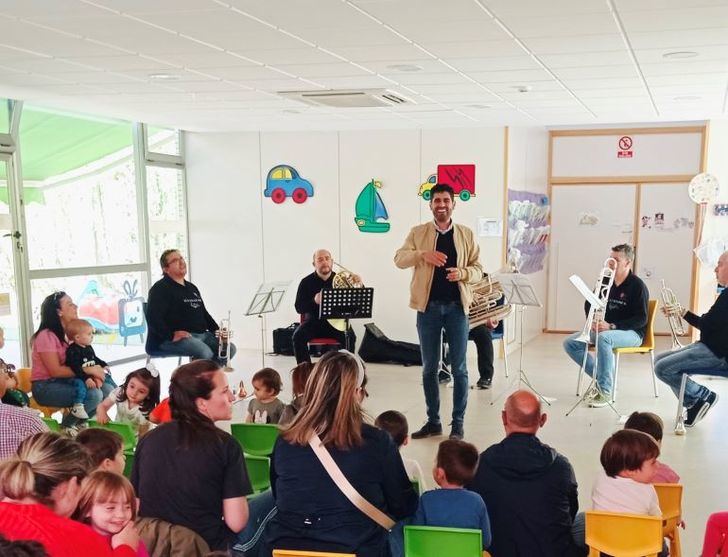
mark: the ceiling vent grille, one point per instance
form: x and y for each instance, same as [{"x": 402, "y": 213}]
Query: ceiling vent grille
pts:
[{"x": 349, "y": 98}]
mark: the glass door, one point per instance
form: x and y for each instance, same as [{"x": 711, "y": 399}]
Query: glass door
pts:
[{"x": 15, "y": 329}]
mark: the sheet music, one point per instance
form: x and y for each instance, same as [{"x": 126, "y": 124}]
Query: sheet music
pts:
[{"x": 584, "y": 291}]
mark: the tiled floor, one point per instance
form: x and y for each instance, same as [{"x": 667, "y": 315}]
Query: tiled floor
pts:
[{"x": 700, "y": 457}]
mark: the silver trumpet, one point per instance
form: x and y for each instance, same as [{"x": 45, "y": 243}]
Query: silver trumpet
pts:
[
  {"x": 673, "y": 310},
  {"x": 224, "y": 334}
]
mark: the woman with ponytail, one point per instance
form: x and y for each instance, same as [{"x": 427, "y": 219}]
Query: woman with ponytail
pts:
[
  {"x": 41, "y": 485},
  {"x": 189, "y": 472},
  {"x": 313, "y": 513}
]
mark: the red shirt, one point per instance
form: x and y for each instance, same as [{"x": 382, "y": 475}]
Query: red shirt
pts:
[
  {"x": 61, "y": 537},
  {"x": 162, "y": 413}
]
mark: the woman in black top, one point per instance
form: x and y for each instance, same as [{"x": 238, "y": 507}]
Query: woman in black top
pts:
[
  {"x": 313, "y": 514},
  {"x": 191, "y": 473}
]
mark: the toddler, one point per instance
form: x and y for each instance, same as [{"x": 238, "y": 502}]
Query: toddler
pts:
[
  {"x": 650, "y": 423},
  {"x": 80, "y": 356},
  {"x": 299, "y": 377},
  {"x": 108, "y": 504},
  {"x": 265, "y": 408},
  {"x": 104, "y": 448},
  {"x": 13, "y": 395},
  {"x": 395, "y": 423},
  {"x": 134, "y": 400}
]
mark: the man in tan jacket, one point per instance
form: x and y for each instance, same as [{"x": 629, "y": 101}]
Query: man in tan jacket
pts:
[{"x": 444, "y": 257}]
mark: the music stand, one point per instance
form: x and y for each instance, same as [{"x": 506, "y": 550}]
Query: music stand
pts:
[
  {"x": 266, "y": 300},
  {"x": 519, "y": 292},
  {"x": 346, "y": 303}
]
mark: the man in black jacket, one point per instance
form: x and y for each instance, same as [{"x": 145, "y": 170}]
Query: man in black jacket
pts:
[
  {"x": 308, "y": 303},
  {"x": 179, "y": 324},
  {"x": 528, "y": 487},
  {"x": 707, "y": 356},
  {"x": 624, "y": 324}
]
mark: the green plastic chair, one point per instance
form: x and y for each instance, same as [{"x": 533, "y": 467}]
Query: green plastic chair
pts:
[
  {"x": 258, "y": 472},
  {"x": 256, "y": 439},
  {"x": 52, "y": 424},
  {"x": 125, "y": 430},
  {"x": 416, "y": 486},
  {"x": 431, "y": 541},
  {"x": 129, "y": 463}
]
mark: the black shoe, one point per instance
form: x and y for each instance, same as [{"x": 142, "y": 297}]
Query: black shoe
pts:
[
  {"x": 443, "y": 377},
  {"x": 484, "y": 383},
  {"x": 457, "y": 433},
  {"x": 427, "y": 430},
  {"x": 698, "y": 410}
]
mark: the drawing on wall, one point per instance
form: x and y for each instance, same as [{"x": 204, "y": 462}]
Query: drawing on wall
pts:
[
  {"x": 528, "y": 230},
  {"x": 659, "y": 220},
  {"x": 587, "y": 218},
  {"x": 646, "y": 222},
  {"x": 371, "y": 214},
  {"x": 460, "y": 177},
  {"x": 284, "y": 181},
  {"x": 131, "y": 313}
]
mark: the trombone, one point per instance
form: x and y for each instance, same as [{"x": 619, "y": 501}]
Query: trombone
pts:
[{"x": 673, "y": 312}]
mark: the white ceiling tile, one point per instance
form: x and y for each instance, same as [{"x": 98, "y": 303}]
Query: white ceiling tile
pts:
[
  {"x": 706, "y": 79},
  {"x": 316, "y": 71},
  {"x": 675, "y": 19},
  {"x": 596, "y": 71},
  {"x": 367, "y": 33},
  {"x": 236, "y": 73},
  {"x": 571, "y": 44},
  {"x": 299, "y": 55},
  {"x": 626, "y": 6},
  {"x": 120, "y": 63},
  {"x": 610, "y": 93},
  {"x": 301, "y": 13},
  {"x": 422, "y": 31},
  {"x": 582, "y": 58},
  {"x": 651, "y": 56},
  {"x": 421, "y": 78},
  {"x": 525, "y": 27},
  {"x": 715, "y": 67},
  {"x": 540, "y": 8},
  {"x": 605, "y": 83},
  {"x": 477, "y": 65},
  {"x": 403, "y": 11},
  {"x": 360, "y": 82},
  {"x": 450, "y": 49},
  {"x": 683, "y": 39}
]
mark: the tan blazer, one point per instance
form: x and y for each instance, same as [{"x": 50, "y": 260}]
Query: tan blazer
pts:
[{"x": 423, "y": 238}]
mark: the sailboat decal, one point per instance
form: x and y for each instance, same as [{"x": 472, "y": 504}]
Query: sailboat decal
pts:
[{"x": 371, "y": 214}]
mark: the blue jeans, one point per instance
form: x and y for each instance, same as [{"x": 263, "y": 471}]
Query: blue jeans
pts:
[
  {"x": 60, "y": 393},
  {"x": 430, "y": 323},
  {"x": 694, "y": 358},
  {"x": 608, "y": 341},
  {"x": 198, "y": 346},
  {"x": 261, "y": 508}
]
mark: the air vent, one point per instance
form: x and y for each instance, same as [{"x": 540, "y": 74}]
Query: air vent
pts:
[{"x": 359, "y": 98}]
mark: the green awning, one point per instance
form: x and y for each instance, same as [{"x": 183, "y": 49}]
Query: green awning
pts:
[{"x": 53, "y": 143}]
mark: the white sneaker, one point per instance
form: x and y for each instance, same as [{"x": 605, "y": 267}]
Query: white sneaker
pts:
[
  {"x": 78, "y": 411},
  {"x": 591, "y": 394}
]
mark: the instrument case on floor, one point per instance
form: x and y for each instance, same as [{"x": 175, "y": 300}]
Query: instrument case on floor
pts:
[{"x": 376, "y": 347}]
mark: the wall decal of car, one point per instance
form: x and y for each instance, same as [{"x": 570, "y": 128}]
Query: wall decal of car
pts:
[{"x": 284, "y": 181}]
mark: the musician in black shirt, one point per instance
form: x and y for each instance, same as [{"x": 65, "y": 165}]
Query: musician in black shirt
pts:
[
  {"x": 708, "y": 356},
  {"x": 308, "y": 303},
  {"x": 624, "y": 324}
]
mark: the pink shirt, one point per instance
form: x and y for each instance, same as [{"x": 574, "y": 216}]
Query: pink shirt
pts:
[
  {"x": 665, "y": 475},
  {"x": 46, "y": 341}
]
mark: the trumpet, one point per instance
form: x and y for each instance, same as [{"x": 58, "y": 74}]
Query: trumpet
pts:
[
  {"x": 224, "y": 333},
  {"x": 601, "y": 291},
  {"x": 673, "y": 311}
]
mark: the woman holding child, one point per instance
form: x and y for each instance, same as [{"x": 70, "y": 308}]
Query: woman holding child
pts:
[
  {"x": 313, "y": 514},
  {"x": 54, "y": 382}
]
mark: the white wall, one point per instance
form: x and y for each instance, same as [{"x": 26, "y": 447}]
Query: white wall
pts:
[
  {"x": 238, "y": 238},
  {"x": 528, "y": 170},
  {"x": 716, "y": 164}
]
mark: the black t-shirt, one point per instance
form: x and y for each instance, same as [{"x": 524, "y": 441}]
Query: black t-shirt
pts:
[
  {"x": 309, "y": 286},
  {"x": 713, "y": 325},
  {"x": 187, "y": 486},
  {"x": 627, "y": 305},
  {"x": 442, "y": 289},
  {"x": 79, "y": 357},
  {"x": 176, "y": 307}
]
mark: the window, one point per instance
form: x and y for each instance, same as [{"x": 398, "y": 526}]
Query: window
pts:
[{"x": 163, "y": 140}]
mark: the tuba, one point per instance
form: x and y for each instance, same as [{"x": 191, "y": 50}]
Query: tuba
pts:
[
  {"x": 344, "y": 279},
  {"x": 673, "y": 310},
  {"x": 486, "y": 295}
]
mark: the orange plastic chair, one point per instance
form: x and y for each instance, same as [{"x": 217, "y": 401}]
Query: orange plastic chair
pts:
[
  {"x": 24, "y": 384},
  {"x": 670, "y": 497},
  {"x": 623, "y": 535},
  {"x": 292, "y": 553},
  {"x": 647, "y": 347}
]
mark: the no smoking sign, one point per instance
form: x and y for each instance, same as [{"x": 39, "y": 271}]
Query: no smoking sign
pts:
[{"x": 625, "y": 147}]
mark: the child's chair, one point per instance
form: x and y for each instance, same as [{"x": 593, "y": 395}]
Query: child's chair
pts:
[
  {"x": 52, "y": 424},
  {"x": 670, "y": 497},
  {"x": 125, "y": 430},
  {"x": 432, "y": 541},
  {"x": 24, "y": 384},
  {"x": 256, "y": 439},
  {"x": 416, "y": 486},
  {"x": 623, "y": 535},
  {"x": 258, "y": 468},
  {"x": 292, "y": 553}
]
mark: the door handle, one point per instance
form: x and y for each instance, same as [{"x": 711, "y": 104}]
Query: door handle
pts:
[{"x": 15, "y": 235}]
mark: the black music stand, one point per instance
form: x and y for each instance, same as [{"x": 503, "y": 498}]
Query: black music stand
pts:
[{"x": 346, "y": 303}]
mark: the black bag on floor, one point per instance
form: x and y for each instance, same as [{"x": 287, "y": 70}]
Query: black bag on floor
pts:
[
  {"x": 283, "y": 340},
  {"x": 377, "y": 348}
]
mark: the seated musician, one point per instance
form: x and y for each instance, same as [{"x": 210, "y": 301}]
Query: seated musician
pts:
[
  {"x": 308, "y": 303},
  {"x": 179, "y": 323},
  {"x": 624, "y": 324},
  {"x": 707, "y": 356}
]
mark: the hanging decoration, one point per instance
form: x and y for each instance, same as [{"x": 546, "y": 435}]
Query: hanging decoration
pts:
[
  {"x": 284, "y": 181},
  {"x": 460, "y": 177},
  {"x": 371, "y": 214}
]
